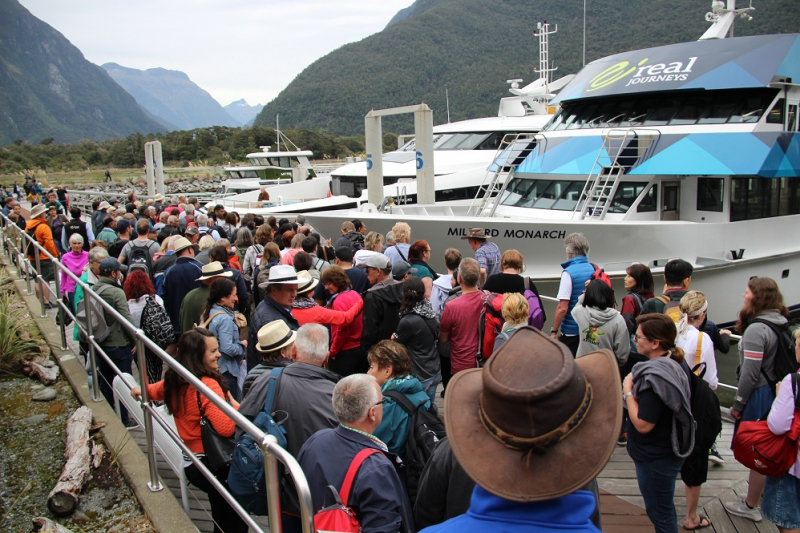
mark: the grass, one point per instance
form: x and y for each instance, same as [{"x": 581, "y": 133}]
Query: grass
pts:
[
  {"x": 118, "y": 175},
  {"x": 12, "y": 348}
]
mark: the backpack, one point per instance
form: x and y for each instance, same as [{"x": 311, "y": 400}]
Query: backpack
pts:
[
  {"x": 339, "y": 518},
  {"x": 246, "y": 477},
  {"x": 139, "y": 258},
  {"x": 78, "y": 226},
  {"x": 638, "y": 298},
  {"x": 600, "y": 274},
  {"x": 759, "y": 449},
  {"x": 536, "y": 314},
  {"x": 356, "y": 241},
  {"x": 672, "y": 308},
  {"x": 30, "y": 249},
  {"x": 90, "y": 309},
  {"x": 425, "y": 431},
  {"x": 155, "y": 323},
  {"x": 705, "y": 410},
  {"x": 490, "y": 322},
  {"x": 785, "y": 360}
]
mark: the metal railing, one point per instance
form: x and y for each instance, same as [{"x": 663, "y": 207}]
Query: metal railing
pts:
[{"x": 17, "y": 242}]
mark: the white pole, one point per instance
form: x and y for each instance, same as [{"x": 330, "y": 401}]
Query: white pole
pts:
[
  {"x": 159, "y": 164},
  {"x": 278, "y": 129},
  {"x": 373, "y": 137},
  {"x": 447, "y": 98},
  {"x": 148, "y": 165},
  {"x": 423, "y": 131},
  {"x": 584, "y": 33}
]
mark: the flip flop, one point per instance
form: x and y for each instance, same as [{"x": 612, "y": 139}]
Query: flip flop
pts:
[{"x": 704, "y": 522}]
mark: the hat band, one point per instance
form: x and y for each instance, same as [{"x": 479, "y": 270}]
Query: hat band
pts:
[
  {"x": 275, "y": 345},
  {"x": 542, "y": 442},
  {"x": 279, "y": 280},
  {"x": 215, "y": 273}
]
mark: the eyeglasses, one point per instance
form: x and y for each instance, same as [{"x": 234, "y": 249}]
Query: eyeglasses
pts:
[
  {"x": 383, "y": 401},
  {"x": 639, "y": 337}
]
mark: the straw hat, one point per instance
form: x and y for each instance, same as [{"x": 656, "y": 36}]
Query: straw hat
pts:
[
  {"x": 158, "y": 198},
  {"x": 306, "y": 282},
  {"x": 274, "y": 336},
  {"x": 184, "y": 243},
  {"x": 214, "y": 269},
  {"x": 535, "y": 424}
]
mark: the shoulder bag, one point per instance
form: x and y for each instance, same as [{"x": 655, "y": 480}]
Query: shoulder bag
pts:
[{"x": 218, "y": 449}]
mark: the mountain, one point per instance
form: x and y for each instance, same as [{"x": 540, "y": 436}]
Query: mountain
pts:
[
  {"x": 171, "y": 96},
  {"x": 243, "y": 112},
  {"x": 49, "y": 90},
  {"x": 471, "y": 47}
]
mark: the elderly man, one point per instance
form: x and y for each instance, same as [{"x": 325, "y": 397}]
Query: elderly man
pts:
[
  {"x": 381, "y": 302},
  {"x": 179, "y": 280},
  {"x": 487, "y": 254},
  {"x": 460, "y": 319},
  {"x": 281, "y": 290},
  {"x": 204, "y": 227},
  {"x": 577, "y": 271},
  {"x": 377, "y": 495}
]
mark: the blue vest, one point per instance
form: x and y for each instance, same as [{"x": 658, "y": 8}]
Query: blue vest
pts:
[{"x": 580, "y": 270}]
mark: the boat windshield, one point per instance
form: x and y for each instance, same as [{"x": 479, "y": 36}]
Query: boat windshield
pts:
[
  {"x": 461, "y": 141},
  {"x": 677, "y": 108},
  {"x": 563, "y": 195},
  {"x": 284, "y": 162},
  {"x": 242, "y": 174}
]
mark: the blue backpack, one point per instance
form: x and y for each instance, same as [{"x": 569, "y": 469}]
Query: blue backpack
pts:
[{"x": 246, "y": 477}]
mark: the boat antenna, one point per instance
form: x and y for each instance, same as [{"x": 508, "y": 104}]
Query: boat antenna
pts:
[
  {"x": 545, "y": 70},
  {"x": 584, "y": 33},
  {"x": 722, "y": 17},
  {"x": 447, "y": 99},
  {"x": 278, "y": 129}
]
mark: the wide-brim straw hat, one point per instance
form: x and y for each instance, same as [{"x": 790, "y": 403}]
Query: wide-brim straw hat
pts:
[
  {"x": 38, "y": 210},
  {"x": 274, "y": 336},
  {"x": 280, "y": 275},
  {"x": 306, "y": 282},
  {"x": 214, "y": 269},
  {"x": 535, "y": 424},
  {"x": 158, "y": 198},
  {"x": 184, "y": 243}
]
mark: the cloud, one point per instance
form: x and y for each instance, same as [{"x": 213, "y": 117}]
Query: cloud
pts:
[{"x": 233, "y": 49}]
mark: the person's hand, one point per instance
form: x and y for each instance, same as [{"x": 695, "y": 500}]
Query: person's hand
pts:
[
  {"x": 231, "y": 401},
  {"x": 136, "y": 393},
  {"x": 588, "y": 281},
  {"x": 627, "y": 384},
  {"x": 394, "y": 336},
  {"x": 724, "y": 332},
  {"x": 330, "y": 243},
  {"x": 736, "y": 414},
  {"x": 244, "y": 343},
  {"x": 133, "y": 350},
  {"x": 554, "y": 335},
  {"x": 778, "y": 387}
]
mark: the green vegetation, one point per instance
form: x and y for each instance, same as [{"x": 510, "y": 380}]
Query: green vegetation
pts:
[
  {"x": 470, "y": 47},
  {"x": 13, "y": 321}
]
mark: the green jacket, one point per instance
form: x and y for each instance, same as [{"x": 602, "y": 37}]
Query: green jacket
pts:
[
  {"x": 192, "y": 306},
  {"x": 115, "y": 297}
]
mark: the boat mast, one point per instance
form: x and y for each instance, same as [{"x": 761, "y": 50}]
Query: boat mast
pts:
[
  {"x": 543, "y": 32},
  {"x": 722, "y": 17},
  {"x": 278, "y": 129}
]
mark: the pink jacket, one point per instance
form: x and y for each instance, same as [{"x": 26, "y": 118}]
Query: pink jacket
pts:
[
  {"x": 75, "y": 263},
  {"x": 781, "y": 416}
]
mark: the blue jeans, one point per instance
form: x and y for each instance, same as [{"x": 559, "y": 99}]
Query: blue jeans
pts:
[
  {"x": 123, "y": 358},
  {"x": 430, "y": 385},
  {"x": 657, "y": 484}
]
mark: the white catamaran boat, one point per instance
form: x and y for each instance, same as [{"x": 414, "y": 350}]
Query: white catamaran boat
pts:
[{"x": 689, "y": 150}]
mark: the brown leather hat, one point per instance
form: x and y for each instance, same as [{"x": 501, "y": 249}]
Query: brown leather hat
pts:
[{"x": 535, "y": 424}]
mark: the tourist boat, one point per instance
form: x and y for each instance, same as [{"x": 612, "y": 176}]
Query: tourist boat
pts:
[
  {"x": 689, "y": 150},
  {"x": 461, "y": 153}
]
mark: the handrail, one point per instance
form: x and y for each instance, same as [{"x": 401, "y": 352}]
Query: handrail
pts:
[{"x": 267, "y": 443}]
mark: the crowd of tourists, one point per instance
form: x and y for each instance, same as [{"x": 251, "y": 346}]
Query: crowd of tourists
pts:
[{"x": 360, "y": 329}]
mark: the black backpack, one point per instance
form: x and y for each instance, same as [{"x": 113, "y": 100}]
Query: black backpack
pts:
[
  {"x": 30, "y": 249},
  {"x": 705, "y": 410},
  {"x": 78, "y": 226},
  {"x": 156, "y": 323},
  {"x": 139, "y": 258},
  {"x": 425, "y": 431},
  {"x": 356, "y": 241},
  {"x": 785, "y": 360}
]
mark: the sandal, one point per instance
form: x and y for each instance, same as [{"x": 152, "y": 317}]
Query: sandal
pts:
[{"x": 704, "y": 522}]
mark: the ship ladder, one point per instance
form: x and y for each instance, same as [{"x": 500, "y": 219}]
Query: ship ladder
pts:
[{"x": 513, "y": 150}]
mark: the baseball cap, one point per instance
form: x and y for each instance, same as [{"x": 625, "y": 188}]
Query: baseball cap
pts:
[
  {"x": 378, "y": 260},
  {"x": 401, "y": 269},
  {"x": 109, "y": 264}
]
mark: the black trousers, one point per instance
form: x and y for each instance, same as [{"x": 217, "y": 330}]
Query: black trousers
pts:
[{"x": 226, "y": 520}]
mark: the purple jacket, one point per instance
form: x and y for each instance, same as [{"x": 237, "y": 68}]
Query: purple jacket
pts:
[{"x": 75, "y": 263}]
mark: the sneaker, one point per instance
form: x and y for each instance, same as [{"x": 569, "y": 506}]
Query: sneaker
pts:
[
  {"x": 715, "y": 458},
  {"x": 740, "y": 508},
  {"x": 623, "y": 439}
]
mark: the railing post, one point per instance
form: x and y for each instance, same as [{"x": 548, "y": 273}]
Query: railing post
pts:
[
  {"x": 61, "y": 313},
  {"x": 272, "y": 483},
  {"x": 28, "y": 275},
  {"x": 40, "y": 282},
  {"x": 141, "y": 361},
  {"x": 95, "y": 392}
]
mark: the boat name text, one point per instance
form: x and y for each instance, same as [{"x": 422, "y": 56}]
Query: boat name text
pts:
[
  {"x": 512, "y": 233},
  {"x": 642, "y": 73}
]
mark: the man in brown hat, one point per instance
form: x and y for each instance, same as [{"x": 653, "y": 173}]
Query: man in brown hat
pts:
[
  {"x": 487, "y": 254},
  {"x": 547, "y": 423}
]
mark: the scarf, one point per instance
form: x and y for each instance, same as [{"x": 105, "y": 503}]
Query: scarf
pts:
[
  {"x": 426, "y": 265},
  {"x": 422, "y": 308},
  {"x": 303, "y": 303}
]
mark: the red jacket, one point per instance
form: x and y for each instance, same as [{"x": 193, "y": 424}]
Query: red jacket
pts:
[{"x": 327, "y": 317}]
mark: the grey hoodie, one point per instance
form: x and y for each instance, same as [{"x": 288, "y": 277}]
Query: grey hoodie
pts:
[
  {"x": 757, "y": 348},
  {"x": 601, "y": 329}
]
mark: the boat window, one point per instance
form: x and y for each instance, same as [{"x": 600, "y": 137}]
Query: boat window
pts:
[
  {"x": 649, "y": 203},
  {"x": 557, "y": 119},
  {"x": 461, "y": 193},
  {"x": 775, "y": 115},
  {"x": 709, "y": 194},
  {"x": 523, "y": 192},
  {"x": 791, "y": 117},
  {"x": 720, "y": 110},
  {"x": 690, "y": 111},
  {"x": 569, "y": 197},
  {"x": 453, "y": 141},
  {"x": 586, "y": 114},
  {"x": 661, "y": 113},
  {"x": 246, "y": 174},
  {"x": 627, "y": 193},
  {"x": 753, "y": 198},
  {"x": 492, "y": 141},
  {"x": 551, "y": 193}
]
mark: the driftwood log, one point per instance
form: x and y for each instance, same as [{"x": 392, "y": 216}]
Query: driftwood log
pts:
[
  {"x": 63, "y": 499},
  {"x": 45, "y": 525},
  {"x": 98, "y": 451},
  {"x": 41, "y": 368}
]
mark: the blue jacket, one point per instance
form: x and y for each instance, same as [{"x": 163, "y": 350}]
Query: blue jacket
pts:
[
  {"x": 227, "y": 333},
  {"x": 393, "y": 430},
  {"x": 488, "y": 512},
  {"x": 178, "y": 281},
  {"x": 266, "y": 311},
  {"x": 378, "y": 497},
  {"x": 580, "y": 270}
]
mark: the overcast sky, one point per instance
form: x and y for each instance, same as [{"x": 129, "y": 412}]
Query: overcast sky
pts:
[{"x": 233, "y": 49}]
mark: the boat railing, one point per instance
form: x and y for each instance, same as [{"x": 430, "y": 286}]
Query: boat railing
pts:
[{"x": 16, "y": 243}]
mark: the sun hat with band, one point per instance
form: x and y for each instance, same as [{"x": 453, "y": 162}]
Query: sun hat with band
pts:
[
  {"x": 535, "y": 424},
  {"x": 281, "y": 275},
  {"x": 183, "y": 243},
  {"x": 212, "y": 270},
  {"x": 305, "y": 282},
  {"x": 274, "y": 336}
]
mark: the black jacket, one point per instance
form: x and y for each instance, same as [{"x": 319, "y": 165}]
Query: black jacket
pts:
[
  {"x": 444, "y": 488},
  {"x": 381, "y": 314},
  {"x": 419, "y": 336}
]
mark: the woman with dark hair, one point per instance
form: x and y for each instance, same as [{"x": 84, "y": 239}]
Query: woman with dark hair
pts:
[
  {"x": 221, "y": 254},
  {"x": 418, "y": 330},
  {"x": 198, "y": 352},
  {"x": 243, "y": 241},
  {"x": 660, "y": 426},
  {"x": 418, "y": 256},
  {"x": 230, "y": 225},
  {"x": 599, "y": 324},
  {"x": 763, "y": 305},
  {"x": 390, "y": 365},
  {"x": 510, "y": 279},
  {"x": 218, "y": 317},
  {"x": 346, "y": 357},
  {"x": 303, "y": 261},
  {"x": 272, "y": 222},
  {"x": 139, "y": 290},
  {"x": 639, "y": 284},
  {"x": 255, "y": 252}
]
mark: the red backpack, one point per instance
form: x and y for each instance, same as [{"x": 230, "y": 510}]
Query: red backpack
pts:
[
  {"x": 489, "y": 324},
  {"x": 759, "y": 449},
  {"x": 339, "y": 518}
]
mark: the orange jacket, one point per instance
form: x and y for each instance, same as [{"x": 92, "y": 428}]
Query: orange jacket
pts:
[{"x": 44, "y": 236}]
